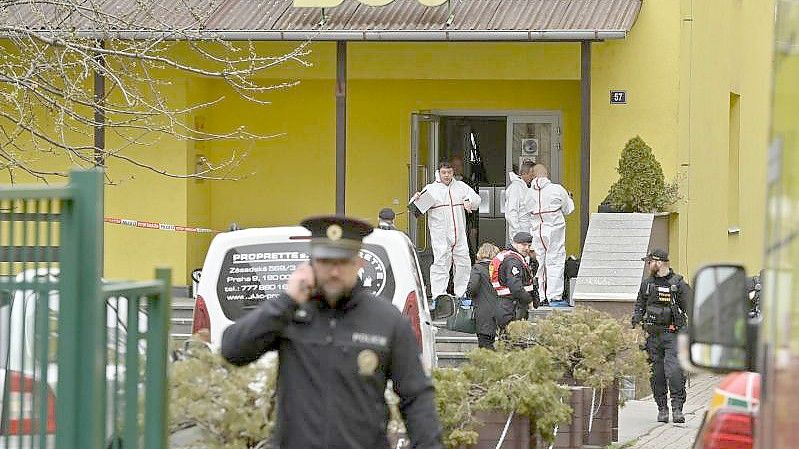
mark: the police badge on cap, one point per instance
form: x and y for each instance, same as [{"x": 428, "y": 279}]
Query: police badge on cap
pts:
[{"x": 335, "y": 236}]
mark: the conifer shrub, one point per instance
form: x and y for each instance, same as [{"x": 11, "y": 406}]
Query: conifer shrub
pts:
[{"x": 641, "y": 186}]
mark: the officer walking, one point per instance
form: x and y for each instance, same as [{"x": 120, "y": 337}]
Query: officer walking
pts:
[
  {"x": 660, "y": 307},
  {"x": 337, "y": 346},
  {"x": 514, "y": 281}
]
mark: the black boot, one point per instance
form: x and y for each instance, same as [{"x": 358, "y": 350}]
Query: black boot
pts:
[
  {"x": 677, "y": 415},
  {"x": 663, "y": 409}
]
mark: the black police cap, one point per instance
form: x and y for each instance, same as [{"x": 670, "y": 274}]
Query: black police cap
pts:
[
  {"x": 335, "y": 236},
  {"x": 657, "y": 254},
  {"x": 386, "y": 213},
  {"x": 523, "y": 237}
]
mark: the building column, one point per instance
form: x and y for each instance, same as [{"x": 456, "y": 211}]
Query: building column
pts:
[{"x": 585, "y": 139}]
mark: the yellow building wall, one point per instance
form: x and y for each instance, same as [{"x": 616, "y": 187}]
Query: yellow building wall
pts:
[
  {"x": 679, "y": 65},
  {"x": 377, "y": 172},
  {"x": 646, "y": 66},
  {"x": 293, "y": 175},
  {"x": 141, "y": 194},
  {"x": 726, "y": 49}
]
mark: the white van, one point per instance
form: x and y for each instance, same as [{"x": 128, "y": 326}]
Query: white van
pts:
[{"x": 246, "y": 267}]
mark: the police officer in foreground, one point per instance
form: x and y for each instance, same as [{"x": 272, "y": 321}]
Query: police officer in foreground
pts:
[
  {"x": 337, "y": 346},
  {"x": 514, "y": 280},
  {"x": 660, "y": 308}
]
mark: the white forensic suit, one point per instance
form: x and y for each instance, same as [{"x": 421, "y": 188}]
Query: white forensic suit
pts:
[
  {"x": 550, "y": 204},
  {"x": 517, "y": 206},
  {"x": 446, "y": 220}
]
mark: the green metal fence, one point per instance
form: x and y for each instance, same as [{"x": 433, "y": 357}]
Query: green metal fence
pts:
[{"x": 82, "y": 361}]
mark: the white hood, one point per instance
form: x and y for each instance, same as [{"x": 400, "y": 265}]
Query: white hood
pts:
[
  {"x": 513, "y": 177},
  {"x": 540, "y": 183}
]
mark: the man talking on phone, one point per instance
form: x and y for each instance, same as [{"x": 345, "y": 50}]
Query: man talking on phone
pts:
[{"x": 338, "y": 345}]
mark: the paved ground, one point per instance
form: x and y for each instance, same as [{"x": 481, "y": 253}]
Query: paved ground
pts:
[{"x": 638, "y": 428}]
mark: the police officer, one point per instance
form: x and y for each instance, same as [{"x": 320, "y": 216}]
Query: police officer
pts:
[
  {"x": 660, "y": 307},
  {"x": 385, "y": 219},
  {"x": 514, "y": 280},
  {"x": 337, "y": 345}
]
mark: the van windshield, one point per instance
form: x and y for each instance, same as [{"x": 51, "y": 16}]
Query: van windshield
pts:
[{"x": 254, "y": 273}]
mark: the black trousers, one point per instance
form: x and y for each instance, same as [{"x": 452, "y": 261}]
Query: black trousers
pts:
[
  {"x": 485, "y": 341},
  {"x": 666, "y": 378}
]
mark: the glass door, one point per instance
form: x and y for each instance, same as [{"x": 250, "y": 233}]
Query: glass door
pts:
[
  {"x": 535, "y": 137},
  {"x": 421, "y": 170}
]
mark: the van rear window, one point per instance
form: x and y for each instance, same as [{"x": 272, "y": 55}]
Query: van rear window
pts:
[{"x": 255, "y": 273}]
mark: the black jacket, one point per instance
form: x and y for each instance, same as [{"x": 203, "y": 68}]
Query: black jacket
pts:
[
  {"x": 516, "y": 274},
  {"x": 484, "y": 296},
  {"x": 334, "y": 364},
  {"x": 662, "y": 301}
]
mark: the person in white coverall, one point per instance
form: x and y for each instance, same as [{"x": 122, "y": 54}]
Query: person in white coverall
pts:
[
  {"x": 446, "y": 220},
  {"x": 517, "y": 201},
  {"x": 550, "y": 204}
]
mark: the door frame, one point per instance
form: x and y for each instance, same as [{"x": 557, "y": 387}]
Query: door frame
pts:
[
  {"x": 428, "y": 167},
  {"x": 556, "y": 171}
]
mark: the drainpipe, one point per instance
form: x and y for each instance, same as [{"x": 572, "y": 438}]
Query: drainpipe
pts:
[{"x": 341, "y": 126}]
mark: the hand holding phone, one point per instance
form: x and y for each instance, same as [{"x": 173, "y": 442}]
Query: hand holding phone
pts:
[{"x": 301, "y": 284}]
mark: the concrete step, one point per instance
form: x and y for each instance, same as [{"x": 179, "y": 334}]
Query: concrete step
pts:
[
  {"x": 460, "y": 344},
  {"x": 450, "y": 359},
  {"x": 181, "y": 319}
]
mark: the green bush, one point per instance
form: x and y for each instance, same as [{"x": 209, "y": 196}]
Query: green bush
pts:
[
  {"x": 523, "y": 381},
  {"x": 231, "y": 407},
  {"x": 589, "y": 346},
  {"x": 641, "y": 186}
]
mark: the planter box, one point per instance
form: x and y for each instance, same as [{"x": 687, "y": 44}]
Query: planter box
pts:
[
  {"x": 521, "y": 433},
  {"x": 605, "y": 426}
]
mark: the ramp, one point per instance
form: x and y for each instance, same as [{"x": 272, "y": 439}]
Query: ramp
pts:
[{"x": 611, "y": 268}]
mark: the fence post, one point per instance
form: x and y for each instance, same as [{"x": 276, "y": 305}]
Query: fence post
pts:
[
  {"x": 80, "y": 417},
  {"x": 156, "y": 409}
]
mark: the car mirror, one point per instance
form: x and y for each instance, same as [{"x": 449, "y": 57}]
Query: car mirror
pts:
[
  {"x": 443, "y": 307},
  {"x": 719, "y": 319}
]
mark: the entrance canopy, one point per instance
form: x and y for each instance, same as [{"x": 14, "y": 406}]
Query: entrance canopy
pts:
[{"x": 351, "y": 20}]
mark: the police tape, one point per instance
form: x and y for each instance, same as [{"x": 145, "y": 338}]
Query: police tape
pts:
[{"x": 158, "y": 226}]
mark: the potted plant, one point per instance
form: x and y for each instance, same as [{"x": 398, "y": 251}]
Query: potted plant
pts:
[
  {"x": 495, "y": 390},
  {"x": 227, "y": 406},
  {"x": 592, "y": 349},
  {"x": 641, "y": 186}
]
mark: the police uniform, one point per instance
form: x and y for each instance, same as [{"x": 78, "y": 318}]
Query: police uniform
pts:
[
  {"x": 514, "y": 282},
  {"x": 660, "y": 308},
  {"x": 334, "y": 362}
]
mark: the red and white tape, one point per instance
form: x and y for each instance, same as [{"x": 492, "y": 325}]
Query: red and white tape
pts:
[{"x": 159, "y": 226}]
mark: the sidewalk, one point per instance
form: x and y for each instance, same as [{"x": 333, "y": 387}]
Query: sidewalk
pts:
[{"x": 638, "y": 428}]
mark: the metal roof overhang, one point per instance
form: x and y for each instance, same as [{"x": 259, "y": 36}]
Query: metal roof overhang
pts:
[{"x": 370, "y": 35}]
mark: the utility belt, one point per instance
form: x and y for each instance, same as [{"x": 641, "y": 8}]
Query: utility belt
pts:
[
  {"x": 660, "y": 328},
  {"x": 506, "y": 294}
]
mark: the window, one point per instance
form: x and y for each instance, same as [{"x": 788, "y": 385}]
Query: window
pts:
[{"x": 733, "y": 177}]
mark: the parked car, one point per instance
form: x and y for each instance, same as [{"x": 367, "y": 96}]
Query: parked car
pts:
[
  {"x": 21, "y": 374},
  {"x": 729, "y": 420},
  {"x": 246, "y": 267}
]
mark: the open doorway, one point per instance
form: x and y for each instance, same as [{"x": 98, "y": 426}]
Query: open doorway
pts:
[
  {"x": 484, "y": 147},
  {"x": 476, "y": 145}
]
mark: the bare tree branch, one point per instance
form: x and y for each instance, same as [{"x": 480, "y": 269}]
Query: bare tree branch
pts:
[{"x": 52, "y": 50}]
